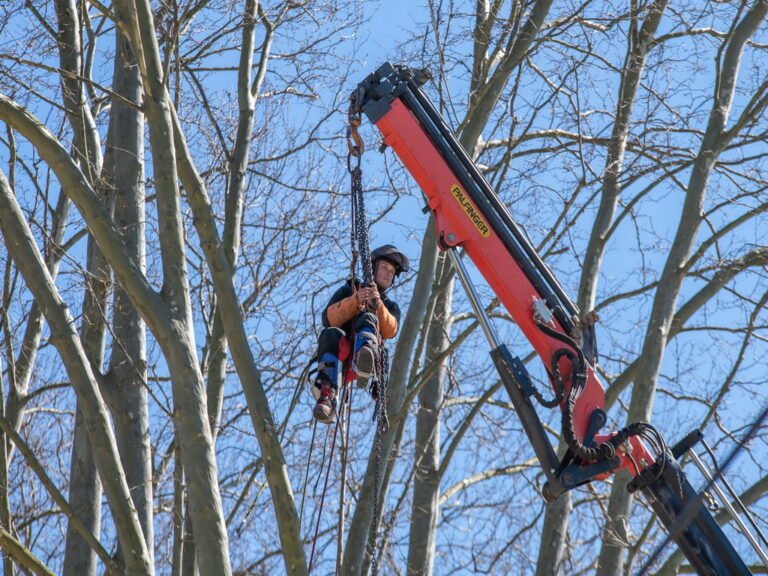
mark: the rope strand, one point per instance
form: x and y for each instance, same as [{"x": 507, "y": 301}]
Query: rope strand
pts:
[{"x": 325, "y": 489}]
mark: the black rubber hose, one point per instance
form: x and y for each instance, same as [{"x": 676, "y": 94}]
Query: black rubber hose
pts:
[{"x": 578, "y": 381}]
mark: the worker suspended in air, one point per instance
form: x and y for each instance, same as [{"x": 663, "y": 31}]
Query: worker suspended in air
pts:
[{"x": 356, "y": 320}]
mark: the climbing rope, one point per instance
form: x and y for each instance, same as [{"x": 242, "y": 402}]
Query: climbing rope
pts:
[
  {"x": 342, "y": 490},
  {"x": 336, "y": 426},
  {"x": 306, "y": 473}
]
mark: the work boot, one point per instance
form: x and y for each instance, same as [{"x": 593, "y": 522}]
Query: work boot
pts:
[
  {"x": 324, "y": 388},
  {"x": 365, "y": 366},
  {"x": 325, "y": 409}
]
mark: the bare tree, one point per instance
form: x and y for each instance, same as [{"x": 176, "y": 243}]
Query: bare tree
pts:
[
  {"x": 635, "y": 166},
  {"x": 716, "y": 137},
  {"x": 112, "y": 204}
]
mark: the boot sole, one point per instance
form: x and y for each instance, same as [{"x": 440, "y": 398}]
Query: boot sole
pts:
[
  {"x": 321, "y": 416},
  {"x": 366, "y": 368}
]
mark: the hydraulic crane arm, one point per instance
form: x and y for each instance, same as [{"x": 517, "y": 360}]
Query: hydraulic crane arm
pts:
[{"x": 469, "y": 215}]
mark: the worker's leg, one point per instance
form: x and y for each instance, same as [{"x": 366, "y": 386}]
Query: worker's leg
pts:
[
  {"x": 366, "y": 348},
  {"x": 329, "y": 374}
]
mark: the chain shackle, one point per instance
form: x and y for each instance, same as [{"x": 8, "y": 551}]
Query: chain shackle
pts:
[{"x": 355, "y": 143}]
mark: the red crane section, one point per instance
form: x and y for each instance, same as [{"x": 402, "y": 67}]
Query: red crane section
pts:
[
  {"x": 470, "y": 216},
  {"x": 460, "y": 223}
]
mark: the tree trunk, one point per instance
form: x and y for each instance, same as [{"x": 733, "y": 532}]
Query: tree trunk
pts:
[
  {"x": 258, "y": 405},
  {"x": 85, "y": 499},
  {"x": 5, "y": 509},
  {"x": 177, "y": 338},
  {"x": 425, "y": 509},
  {"x": 188, "y": 564},
  {"x": 238, "y": 164},
  {"x": 641, "y": 42},
  {"x": 554, "y": 537},
  {"x": 33, "y": 330},
  {"x": 488, "y": 93},
  {"x": 85, "y": 486},
  {"x": 126, "y": 381},
  {"x": 554, "y": 529}
]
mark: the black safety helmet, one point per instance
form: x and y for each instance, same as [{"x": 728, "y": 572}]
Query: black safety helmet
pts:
[{"x": 393, "y": 255}]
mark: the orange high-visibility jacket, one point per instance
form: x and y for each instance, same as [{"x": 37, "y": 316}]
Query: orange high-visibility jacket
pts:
[{"x": 342, "y": 310}]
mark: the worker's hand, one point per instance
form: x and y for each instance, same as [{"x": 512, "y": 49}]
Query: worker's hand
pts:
[
  {"x": 374, "y": 298},
  {"x": 361, "y": 295},
  {"x": 368, "y": 295}
]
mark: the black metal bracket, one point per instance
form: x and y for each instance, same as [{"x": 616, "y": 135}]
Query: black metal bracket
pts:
[{"x": 573, "y": 473}]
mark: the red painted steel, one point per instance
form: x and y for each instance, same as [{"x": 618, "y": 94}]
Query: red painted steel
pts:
[{"x": 459, "y": 222}]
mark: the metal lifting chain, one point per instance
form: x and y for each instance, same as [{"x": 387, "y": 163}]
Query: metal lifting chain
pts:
[
  {"x": 382, "y": 368},
  {"x": 382, "y": 425},
  {"x": 361, "y": 227},
  {"x": 360, "y": 244},
  {"x": 361, "y": 247}
]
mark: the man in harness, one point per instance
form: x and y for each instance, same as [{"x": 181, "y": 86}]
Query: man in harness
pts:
[{"x": 362, "y": 313}]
